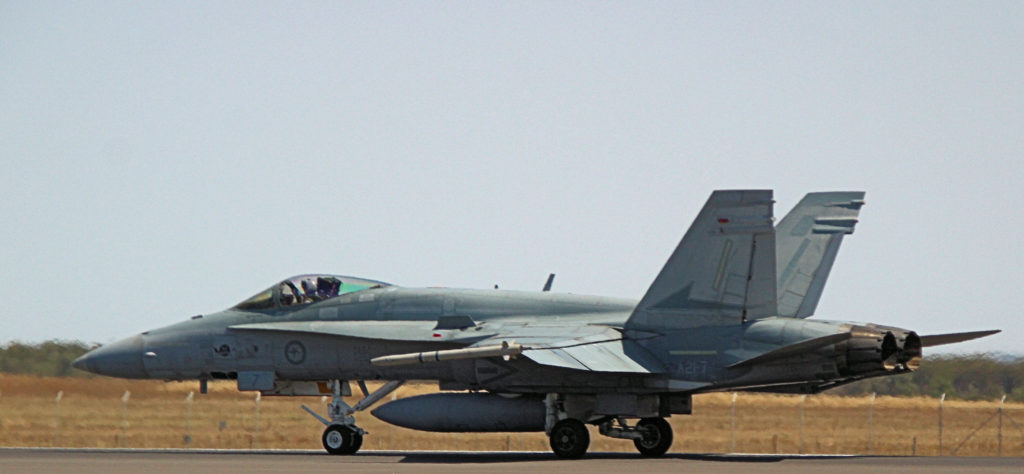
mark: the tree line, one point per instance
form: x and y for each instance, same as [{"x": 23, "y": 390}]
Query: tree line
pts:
[
  {"x": 51, "y": 358},
  {"x": 966, "y": 377}
]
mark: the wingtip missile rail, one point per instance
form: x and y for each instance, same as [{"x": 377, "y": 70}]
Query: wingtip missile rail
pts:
[{"x": 504, "y": 349}]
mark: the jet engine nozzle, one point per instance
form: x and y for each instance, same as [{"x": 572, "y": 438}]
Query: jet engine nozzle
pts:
[
  {"x": 910, "y": 352},
  {"x": 875, "y": 350},
  {"x": 907, "y": 356},
  {"x": 869, "y": 351}
]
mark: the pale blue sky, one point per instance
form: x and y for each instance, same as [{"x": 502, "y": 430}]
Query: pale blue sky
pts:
[{"x": 164, "y": 159}]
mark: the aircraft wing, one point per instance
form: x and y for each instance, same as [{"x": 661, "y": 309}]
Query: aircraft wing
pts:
[{"x": 594, "y": 348}]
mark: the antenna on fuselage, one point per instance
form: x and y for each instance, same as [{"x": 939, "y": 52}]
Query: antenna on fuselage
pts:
[{"x": 551, "y": 279}]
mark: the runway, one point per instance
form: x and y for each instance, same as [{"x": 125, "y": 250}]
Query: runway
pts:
[{"x": 34, "y": 460}]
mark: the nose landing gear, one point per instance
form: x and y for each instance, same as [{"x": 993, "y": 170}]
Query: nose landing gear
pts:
[
  {"x": 342, "y": 436},
  {"x": 341, "y": 439}
]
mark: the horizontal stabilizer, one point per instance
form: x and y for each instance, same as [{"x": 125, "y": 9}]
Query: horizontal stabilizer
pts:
[
  {"x": 793, "y": 349},
  {"x": 940, "y": 339}
]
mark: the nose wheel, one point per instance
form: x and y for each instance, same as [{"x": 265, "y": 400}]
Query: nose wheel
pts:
[
  {"x": 342, "y": 436},
  {"x": 341, "y": 439}
]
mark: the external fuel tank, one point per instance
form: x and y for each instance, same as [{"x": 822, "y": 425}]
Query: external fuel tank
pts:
[{"x": 465, "y": 412}]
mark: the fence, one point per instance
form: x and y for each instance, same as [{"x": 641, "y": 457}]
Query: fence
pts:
[
  {"x": 968, "y": 428},
  {"x": 174, "y": 416}
]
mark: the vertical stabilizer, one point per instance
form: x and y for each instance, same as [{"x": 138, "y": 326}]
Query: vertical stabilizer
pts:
[
  {"x": 722, "y": 272},
  {"x": 808, "y": 240}
]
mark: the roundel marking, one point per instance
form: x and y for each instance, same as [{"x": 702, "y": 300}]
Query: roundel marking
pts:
[{"x": 295, "y": 352}]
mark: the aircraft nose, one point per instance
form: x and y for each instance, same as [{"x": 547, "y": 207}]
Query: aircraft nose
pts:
[
  {"x": 119, "y": 359},
  {"x": 81, "y": 363}
]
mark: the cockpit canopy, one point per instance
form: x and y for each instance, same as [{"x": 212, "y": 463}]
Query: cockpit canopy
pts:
[{"x": 306, "y": 289}]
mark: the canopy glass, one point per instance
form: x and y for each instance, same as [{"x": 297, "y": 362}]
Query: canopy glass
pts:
[{"x": 306, "y": 289}]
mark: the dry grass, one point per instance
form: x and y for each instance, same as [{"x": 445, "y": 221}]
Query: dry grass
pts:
[{"x": 91, "y": 416}]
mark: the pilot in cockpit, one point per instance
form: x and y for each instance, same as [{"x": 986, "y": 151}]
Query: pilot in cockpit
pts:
[
  {"x": 289, "y": 294},
  {"x": 309, "y": 290},
  {"x": 327, "y": 287}
]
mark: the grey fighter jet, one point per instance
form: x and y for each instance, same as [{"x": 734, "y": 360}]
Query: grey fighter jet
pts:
[{"x": 727, "y": 312}]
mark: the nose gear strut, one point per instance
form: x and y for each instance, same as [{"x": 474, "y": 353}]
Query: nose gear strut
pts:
[{"x": 342, "y": 436}]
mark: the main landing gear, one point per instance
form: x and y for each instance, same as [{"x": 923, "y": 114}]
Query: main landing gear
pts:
[
  {"x": 656, "y": 437},
  {"x": 569, "y": 437},
  {"x": 342, "y": 436}
]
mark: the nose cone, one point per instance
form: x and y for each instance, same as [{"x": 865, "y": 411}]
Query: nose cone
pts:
[
  {"x": 80, "y": 363},
  {"x": 120, "y": 359}
]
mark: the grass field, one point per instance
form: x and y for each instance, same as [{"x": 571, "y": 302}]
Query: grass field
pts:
[{"x": 91, "y": 414}]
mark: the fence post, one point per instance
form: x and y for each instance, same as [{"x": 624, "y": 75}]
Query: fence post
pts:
[
  {"x": 124, "y": 417},
  {"x": 188, "y": 419},
  {"x": 56, "y": 416},
  {"x": 802, "y": 400},
  {"x": 871, "y": 409},
  {"x": 391, "y": 428},
  {"x": 256, "y": 435},
  {"x": 941, "y": 399},
  {"x": 999, "y": 442},
  {"x": 732, "y": 424}
]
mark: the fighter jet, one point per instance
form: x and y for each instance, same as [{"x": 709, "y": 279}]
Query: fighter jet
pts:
[{"x": 726, "y": 313}]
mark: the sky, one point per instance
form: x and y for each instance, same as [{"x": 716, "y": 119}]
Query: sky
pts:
[{"x": 164, "y": 159}]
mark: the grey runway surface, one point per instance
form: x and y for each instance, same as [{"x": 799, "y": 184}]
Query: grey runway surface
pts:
[{"x": 16, "y": 460}]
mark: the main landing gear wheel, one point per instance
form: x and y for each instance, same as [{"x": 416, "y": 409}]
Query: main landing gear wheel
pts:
[
  {"x": 342, "y": 440},
  {"x": 570, "y": 439},
  {"x": 657, "y": 437}
]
